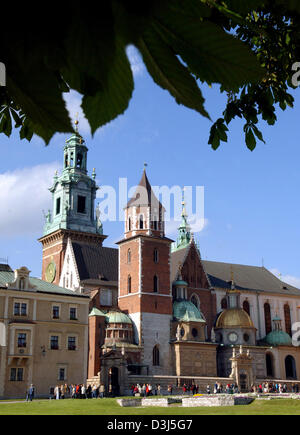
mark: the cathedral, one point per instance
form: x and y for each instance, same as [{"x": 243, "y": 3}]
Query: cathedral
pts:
[{"x": 157, "y": 309}]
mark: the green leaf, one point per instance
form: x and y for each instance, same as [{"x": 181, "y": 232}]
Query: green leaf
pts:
[
  {"x": 210, "y": 53},
  {"x": 250, "y": 139},
  {"x": 113, "y": 99},
  {"x": 168, "y": 72}
]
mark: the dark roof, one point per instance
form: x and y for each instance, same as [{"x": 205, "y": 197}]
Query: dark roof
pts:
[
  {"x": 96, "y": 262},
  {"x": 177, "y": 258},
  {"x": 246, "y": 278},
  {"x": 5, "y": 268},
  {"x": 144, "y": 195}
]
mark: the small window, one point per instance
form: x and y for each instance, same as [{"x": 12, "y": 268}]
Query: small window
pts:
[
  {"x": 81, "y": 204},
  {"x": 79, "y": 161},
  {"x": 155, "y": 256},
  {"x": 20, "y": 309},
  {"x": 129, "y": 284},
  {"x": 71, "y": 343},
  {"x": 129, "y": 224},
  {"x": 129, "y": 256},
  {"x": 194, "y": 332},
  {"x": 62, "y": 374},
  {"x": 106, "y": 297},
  {"x": 54, "y": 342},
  {"x": 156, "y": 356},
  {"x": 16, "y": 375},
  {"x": 155, "y": 284},
  {"x": 73, "y": 313},
  {"x": 141, "y": 222},
  {"x": 55, "y": 312},
  {"x": 22, "y": 342},
  {"x": 58, "y": 202}
]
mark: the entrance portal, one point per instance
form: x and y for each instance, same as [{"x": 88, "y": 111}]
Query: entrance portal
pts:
[{"x": 113, "y": 381}]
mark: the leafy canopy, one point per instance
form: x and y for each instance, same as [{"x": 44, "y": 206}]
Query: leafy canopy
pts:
[{"x": 247, "y": 47}]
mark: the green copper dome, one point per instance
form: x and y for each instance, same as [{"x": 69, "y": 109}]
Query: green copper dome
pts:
[
  {"x": 180, "y": 283},
  {"x": 278, "y": 338},
  {"x": 117, "y": 317},
  {"x": 186, "y": 311}
]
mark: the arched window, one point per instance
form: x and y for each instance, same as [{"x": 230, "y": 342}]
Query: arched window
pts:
[
  {"x": 129, "y": 284},
  {"x": 287, "y": 319},
  {"x": 22, "y": 284},
  {"x": 268, "y": 320},
  {"x": 155, "y": 356},
  {"x": 246, "y": 307},
  {"x": 129, "y": 224},
  {"x": 141, "y": 222},
  {"x": 155, "y": 284},
  {"x": 270, "y": 366},
  {"x": 224, "y": 304},
  {"x": 290, "y": 368},
  {"x": 155, "y": 256},
  {"x": 195, "y": 301},
  {"x": 129, "y": 256},
  {"x": 155, "y": 224}
]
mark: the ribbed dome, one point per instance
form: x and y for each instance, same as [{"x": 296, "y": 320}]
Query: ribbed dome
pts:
[
  {"x": 117, "y": 317},
  {"x": 234, "y": 317},
  {"x": 278, "y": 338},
  {"x": 186, "y": 311}
]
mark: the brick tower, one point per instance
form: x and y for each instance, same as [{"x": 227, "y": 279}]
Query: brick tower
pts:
[
  {"x": 73, "y": 214},
  {"x": 144, "y": 277}
]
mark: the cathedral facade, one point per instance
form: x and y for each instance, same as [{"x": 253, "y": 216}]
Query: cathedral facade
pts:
[{"x": 156, "y": 308}]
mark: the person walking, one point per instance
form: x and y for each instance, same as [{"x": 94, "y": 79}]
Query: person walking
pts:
[{"x": 102, "y": 391}]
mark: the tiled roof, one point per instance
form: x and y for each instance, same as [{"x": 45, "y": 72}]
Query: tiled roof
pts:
[
  {"x": 246, "y": 278},
  {"x": 96, "y": 262},
  {"x": 252, "y": 278}
]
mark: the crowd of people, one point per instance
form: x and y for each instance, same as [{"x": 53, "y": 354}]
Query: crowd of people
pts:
[
  {"x": 78, "y": 391},
  {"x": 269, "y": 387}
]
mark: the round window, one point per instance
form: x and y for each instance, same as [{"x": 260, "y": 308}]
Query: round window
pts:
[{"x": 194, "y": 332}]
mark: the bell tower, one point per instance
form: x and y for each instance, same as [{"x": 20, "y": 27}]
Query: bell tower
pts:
[
  {"x": 73, "y": 209},
  {"x": 144, "y": 277}
]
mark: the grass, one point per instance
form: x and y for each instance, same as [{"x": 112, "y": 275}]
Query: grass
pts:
[{"x": 110, "y": 407}]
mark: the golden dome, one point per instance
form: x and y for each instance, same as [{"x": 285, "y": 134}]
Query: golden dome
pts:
[{"x": 234, "y": 317}]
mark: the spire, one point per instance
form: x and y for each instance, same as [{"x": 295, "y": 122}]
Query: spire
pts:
[{"x": 184, "y": 236}]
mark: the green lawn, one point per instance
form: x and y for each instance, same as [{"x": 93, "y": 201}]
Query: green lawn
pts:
[{"x": 110, "y": 407}]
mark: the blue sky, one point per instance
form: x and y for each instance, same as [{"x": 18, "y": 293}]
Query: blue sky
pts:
[{"x": 252, "y": 208}]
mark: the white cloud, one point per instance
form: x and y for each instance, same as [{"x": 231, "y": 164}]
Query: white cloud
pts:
[
  {"x": 289, "y": 279},
  {"x": 73, "y": 102},
  {"x": 136, "y": 61},
  {"x": 24, "y": 195}
]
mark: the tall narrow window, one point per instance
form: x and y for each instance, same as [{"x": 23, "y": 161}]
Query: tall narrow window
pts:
[
  {"x": 155, "y": 256},
  {"x": 246, "y": 307},
  {"x": 141, "y": 222},
  {"x": 129, "y": 284},
  {"x": 129, "y": 224},
  {"x": 79, "y": 161},
  {"x": 129, "y": 256},
  {"x": 81, "y": 204},
  {"x": 58, "y": 201},
  {"x": 268, "y": 320},
  {"x": 224, "y": 304},
  {"x": 156, "y": 356},
  {"x": 155, "y": 284},
  {"x": 287, "y": 319}
]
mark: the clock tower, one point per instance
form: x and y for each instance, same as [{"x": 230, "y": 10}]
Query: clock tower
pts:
[{"x": 73, "y": 211}]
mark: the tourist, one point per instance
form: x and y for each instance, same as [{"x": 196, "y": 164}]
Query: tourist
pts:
[
  {"x": 83, "y": 392},
  {"x": 150, "y": 390},
  {"x": 158, "y": 390},
  {"x": 57, "y": 392},
  {"x": 170, "y": 390},
  {"x": 208, "y": 389},
  {"x": 144, "y": 390},
  {"x": 62, "y": 391},
  {"x": 102, "y": 391},
  {"x": 94, "y": 391}
]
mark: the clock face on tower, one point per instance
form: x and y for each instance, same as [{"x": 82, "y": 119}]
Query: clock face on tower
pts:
[
  {"x": 233, "y": 337},
  {"x": 51, "y": 272}
]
